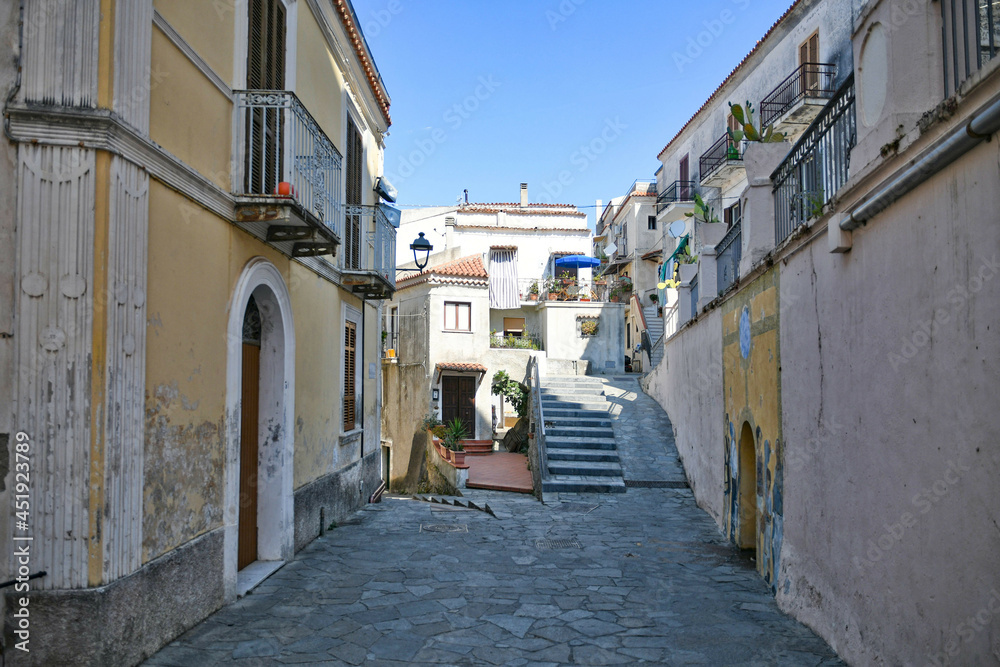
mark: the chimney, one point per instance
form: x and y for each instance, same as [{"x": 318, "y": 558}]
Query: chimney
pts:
[{"x": 524, "y": 194}]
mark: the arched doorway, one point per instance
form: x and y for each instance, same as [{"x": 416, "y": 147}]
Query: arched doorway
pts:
[
  {"x": 259, "y": 511},
  {"x": 747, "y": 520}
]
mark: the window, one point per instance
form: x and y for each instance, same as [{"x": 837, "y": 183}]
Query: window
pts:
[
  {"x": 513, "y": 326},
  {"x": 457, "y": 316},
  {"x": 651, "y": 221},
  {"x": 809, "y": 54},
  {"x": 732, "y": 215},
  {"x": 684, "y": 175},
  {"x": 350, "y": 375},
  {"x": 265, "y": 71},
  {"x": 354, "y": 197}
]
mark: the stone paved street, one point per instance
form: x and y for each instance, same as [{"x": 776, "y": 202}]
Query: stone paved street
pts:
[{"x": 585, "y": 579}]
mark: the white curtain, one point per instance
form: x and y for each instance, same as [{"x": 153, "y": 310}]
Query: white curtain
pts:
[{"x": 504, "y": 294}]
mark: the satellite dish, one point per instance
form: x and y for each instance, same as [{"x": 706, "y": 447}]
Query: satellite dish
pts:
[
  {"x": 676, "y": 228},
  {"x": 610, "y": 249}
]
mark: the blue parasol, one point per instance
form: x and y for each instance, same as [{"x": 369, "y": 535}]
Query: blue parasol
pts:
[{"x": 577, "y": 261}]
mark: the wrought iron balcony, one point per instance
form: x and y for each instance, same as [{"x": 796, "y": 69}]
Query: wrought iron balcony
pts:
[
  {"x": 970, "y": 38},
  {"x": 797, "y": 99},
  {"x": 288, "y": 178},
  {"x": 676, "y": 192},
  {"x": 728, "y": 253},
  {"x": 817, "y": 166},
  {"x": 368, "y": 258},
  {"x": 719, "y": 163}
]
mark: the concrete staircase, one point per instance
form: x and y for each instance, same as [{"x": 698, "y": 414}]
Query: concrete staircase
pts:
[
  {"x": 579, "y": 441},
  {"x": 654, "y": 325}
]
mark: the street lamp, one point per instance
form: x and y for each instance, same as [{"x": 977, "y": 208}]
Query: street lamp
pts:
[{"x": 421, "y": 248}]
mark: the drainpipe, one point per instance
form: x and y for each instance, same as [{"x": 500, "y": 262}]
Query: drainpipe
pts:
[{"x": 979, "y": 128}]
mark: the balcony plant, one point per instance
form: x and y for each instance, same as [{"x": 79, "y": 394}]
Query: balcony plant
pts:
[
  {"x": 533, "y": 291},
  {"x": 750, "y": 132},
  {"x": 702, "y": 212}
]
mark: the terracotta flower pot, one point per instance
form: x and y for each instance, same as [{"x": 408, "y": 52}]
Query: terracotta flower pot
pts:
[
  {"x": 285, "y": 189},
  {"x": 458, "y": 458}
]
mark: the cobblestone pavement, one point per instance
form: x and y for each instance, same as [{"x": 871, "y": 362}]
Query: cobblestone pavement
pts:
[{"x": 584, "y": 579}]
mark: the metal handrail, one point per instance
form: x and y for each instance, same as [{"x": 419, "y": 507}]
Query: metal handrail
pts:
[
  {"x": 678, "y": 191},
  {"x": 536, "y": 400},
  {"x": 813, "y": 80},
  {"x": 283, "y": 143},
  {"x": 694, "y": 296},
  {"x": 719, "y": 154}
]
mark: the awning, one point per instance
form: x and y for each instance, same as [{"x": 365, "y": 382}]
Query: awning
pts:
[{"x": 458, "y": 367}]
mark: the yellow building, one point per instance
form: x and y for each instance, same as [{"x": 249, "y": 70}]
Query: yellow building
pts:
[{"x": 191, "y": 305}]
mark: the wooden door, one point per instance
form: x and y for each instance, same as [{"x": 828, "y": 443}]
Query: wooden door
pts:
[
  {"x": 247, "y": 551},
  {"x": 459, "y": 400},
  {"x": 684, "y": 176}
]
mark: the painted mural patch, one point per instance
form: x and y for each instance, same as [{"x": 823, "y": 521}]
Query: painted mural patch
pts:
[{"x": 745, "y": 339}]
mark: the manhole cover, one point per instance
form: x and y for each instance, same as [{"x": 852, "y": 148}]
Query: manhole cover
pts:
[
  {"x": 444, "y": 528},
  {"x": 557, "y": 544},
  {"x": 654, "y": 484}
]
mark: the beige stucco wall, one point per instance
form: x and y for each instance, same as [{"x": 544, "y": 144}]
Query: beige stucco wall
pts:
[
  {"x": 189, "y": 116},
  {"x": 192, "y": 252},
  {"x": 185, "y": 371},
  {"x": 209, "y": 28},
  {"x": 319, "y": 82}
]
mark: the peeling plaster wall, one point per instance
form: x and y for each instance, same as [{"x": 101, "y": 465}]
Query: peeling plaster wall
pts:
[{"x": 185, "y": 371}]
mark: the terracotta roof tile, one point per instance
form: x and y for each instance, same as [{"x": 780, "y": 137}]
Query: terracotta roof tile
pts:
[
  {"x": 451, "y": 366},
  {"x": 464, "y": 267},
  {"x": 736, "y": 69}
]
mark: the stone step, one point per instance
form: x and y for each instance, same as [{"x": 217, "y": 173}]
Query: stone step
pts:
[
  {"x": 573, "y": 413},
  {"x": 580, "y": 403},
  {"x": 577, "y": 431},
  {"x": 567, "y": 454},
  {"x": 585, "y": 468},
  {"x": 580, "y": 484},
  {"x": 596, "y": 421},
  {"x": 563, "y": 442},
  {"x": 572, "y": 391},
  {"x": 573, "y": 385}
]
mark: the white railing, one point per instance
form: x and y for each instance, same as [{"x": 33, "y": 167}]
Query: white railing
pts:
[
  {"x": 371, "y": 246},
  {"x": 670, "y": 322},
  {"x": 286, "y": 154}
]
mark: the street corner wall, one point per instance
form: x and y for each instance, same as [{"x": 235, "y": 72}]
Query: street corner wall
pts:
[
  {"x": 687, "y": 383},
  {"x": 185, "y": 372},
  {"x": 751, "y": 368}
]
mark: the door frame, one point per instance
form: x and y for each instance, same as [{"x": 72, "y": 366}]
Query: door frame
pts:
[{"x": 275, "y": 510}]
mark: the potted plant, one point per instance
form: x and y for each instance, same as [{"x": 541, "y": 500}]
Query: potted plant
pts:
[
  {"x": 566, "y": 278},
  {"x": 455, "y": 432},
  {"x": 654, "y": 297},
  {"x": 533, "y": 291},
  {"x": 589, "y": 327}
]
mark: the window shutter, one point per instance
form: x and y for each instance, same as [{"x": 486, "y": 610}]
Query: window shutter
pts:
[
  {"x": 266, "y": 47},
  {"x": 355, "y": 155},
  {"x": 350, "y": 361}
]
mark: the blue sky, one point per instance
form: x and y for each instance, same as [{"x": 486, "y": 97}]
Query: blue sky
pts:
[{"x": 574, "y": 97}]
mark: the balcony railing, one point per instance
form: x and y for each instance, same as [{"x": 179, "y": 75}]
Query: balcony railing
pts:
[
  {"x": 721, "y": 152},
  {"x": 597, "y": 290},
  {"x": 369, "y": 243},
  {"x": 678, "y": 191},
  {"x": 810, "y": 80},
  {"x": 970, "y": 38},
  {"x": 283, "y": 143},
  {"x": 523, "y": 342},
  {"x": 728, "y": 253},
  {"x": 817, "y": 166}
]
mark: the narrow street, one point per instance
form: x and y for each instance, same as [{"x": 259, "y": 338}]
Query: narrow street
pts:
[{"x": 584, "y": 579}]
